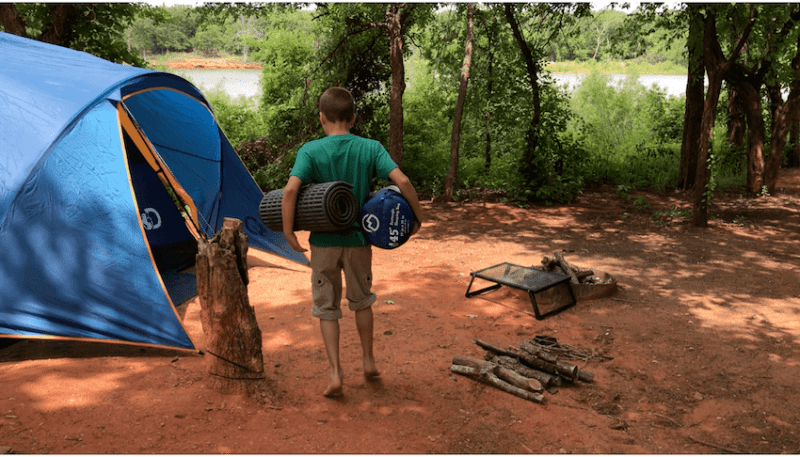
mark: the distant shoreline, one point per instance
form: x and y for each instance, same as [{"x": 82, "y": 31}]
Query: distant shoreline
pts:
[
  {"x": 192, "y": 61},
  {"x": 180, "y": 62}
]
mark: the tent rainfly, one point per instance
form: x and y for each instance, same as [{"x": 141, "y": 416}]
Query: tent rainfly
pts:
[{"x": 109, "y": 174}]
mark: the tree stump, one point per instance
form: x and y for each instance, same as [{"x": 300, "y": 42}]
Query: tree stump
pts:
[{"x": 233, "y": 355}]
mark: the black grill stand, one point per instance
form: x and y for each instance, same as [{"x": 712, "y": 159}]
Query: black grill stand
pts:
[{"x": 524, "y": 278}]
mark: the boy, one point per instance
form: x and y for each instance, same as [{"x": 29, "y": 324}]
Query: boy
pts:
[{"x": 341, "y": 156}]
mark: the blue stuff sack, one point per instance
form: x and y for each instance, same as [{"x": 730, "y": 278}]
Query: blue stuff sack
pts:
[{"x": 387, "y": 219}]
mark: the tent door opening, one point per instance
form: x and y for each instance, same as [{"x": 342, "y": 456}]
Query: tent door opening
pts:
[{"x": 172, "y": 245}]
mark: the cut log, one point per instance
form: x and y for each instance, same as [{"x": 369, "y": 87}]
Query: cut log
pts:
[
  {"x": 558, "y": 261},
  {"x": 490, "y": 378},
  {"x": 506, "y": 374},
  {"x": 567, "y": 371},
  {"x": 583, "y": 274},
  {"x": 568, "y": 269},
  {"x": 547, "y": 380},
  {"x": 233, "y": 355},
  {"x": 542, "y": 353},
  {"x": 585, "y": 376},
  {"x": 549, "y": 263}
]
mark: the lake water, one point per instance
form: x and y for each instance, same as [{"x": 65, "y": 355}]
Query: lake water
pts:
[
  {"x": 673, "y": 85},
  {"x": 235, "y": 83},
  {"x": 246, "y": 83}
]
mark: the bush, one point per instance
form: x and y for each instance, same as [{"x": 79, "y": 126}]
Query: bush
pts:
[
  {"x": 426, "y": 131},
  {"x": 632, "y": 134},
  {"x": 238, "y": 118}
]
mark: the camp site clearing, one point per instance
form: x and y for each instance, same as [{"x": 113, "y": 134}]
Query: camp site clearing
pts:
[{"x": 703, "y": 335}]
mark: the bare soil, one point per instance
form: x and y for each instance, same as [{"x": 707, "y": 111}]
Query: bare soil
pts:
[
  {"x": 193, "y": 62},
  {"x": 703, "y": 334}
]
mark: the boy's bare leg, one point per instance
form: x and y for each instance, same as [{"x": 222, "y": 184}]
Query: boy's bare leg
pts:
[
  {"x": 364, "y": 323},
  {"x": 330, "y": 336}
]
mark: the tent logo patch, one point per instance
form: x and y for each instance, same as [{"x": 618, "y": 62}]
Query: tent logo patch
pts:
[{"x": 151, "y": 219}]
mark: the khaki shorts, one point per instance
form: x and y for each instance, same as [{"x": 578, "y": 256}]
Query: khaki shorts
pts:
[{"x": 327, "y": 264}]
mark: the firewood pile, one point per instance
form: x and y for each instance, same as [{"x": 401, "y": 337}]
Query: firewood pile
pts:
[
  {"x": 528, "y": 369},
  {"x": 579, "y": 275}
]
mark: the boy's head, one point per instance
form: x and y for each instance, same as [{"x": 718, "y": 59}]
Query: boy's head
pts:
[{"x": 337, "y": 105}]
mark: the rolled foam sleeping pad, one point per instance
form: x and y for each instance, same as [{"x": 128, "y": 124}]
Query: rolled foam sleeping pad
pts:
[{"x": 322, "y": 207}]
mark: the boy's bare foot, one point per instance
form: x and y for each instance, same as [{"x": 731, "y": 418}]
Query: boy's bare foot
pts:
[
  {"x": 370, "y": 370},
  {"x": 335, "y": 386}
]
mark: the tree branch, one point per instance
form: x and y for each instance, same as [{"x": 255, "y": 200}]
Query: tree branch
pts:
[{"x": 745, "y": 34}]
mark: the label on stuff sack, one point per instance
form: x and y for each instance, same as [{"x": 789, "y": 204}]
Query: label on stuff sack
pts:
[{"x": 397, "y": 226}]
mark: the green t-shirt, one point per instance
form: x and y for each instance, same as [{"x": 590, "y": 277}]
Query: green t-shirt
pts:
[{"x": 349, "y": 158}]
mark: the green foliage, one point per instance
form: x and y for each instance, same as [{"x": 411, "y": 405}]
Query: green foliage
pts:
[
  {"x": 554, "y": 171},
  {"x": 286, "y": 56},
  {"x": 641, "y": 204},
  {"x": 238, "y": 118},
  {"x": 274, "y": 175},
  {"x": 160, "y": 29},
  {"x": 96, "y": 28},
  {"x": 728, "y": 165},
  {"x": 624, "y": 133},
  {"x": 631, "y": 131},
  {"x": 659, "y": 217},
  {"x": 427, "y": 129}
]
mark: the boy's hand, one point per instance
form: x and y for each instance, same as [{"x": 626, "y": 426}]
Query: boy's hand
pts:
[
  {"x": 417, "y": 226},
  {"x": 288, "y": 204},
  {"x": 292, "y": 239}
]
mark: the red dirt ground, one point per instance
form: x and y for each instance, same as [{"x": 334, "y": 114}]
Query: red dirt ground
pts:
[
  {"x": 211, "y": 64},
  {"x": 703, "y": 332}
]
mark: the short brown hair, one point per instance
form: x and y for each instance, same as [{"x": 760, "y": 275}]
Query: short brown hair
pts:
[{"x": 337, "y": 104}]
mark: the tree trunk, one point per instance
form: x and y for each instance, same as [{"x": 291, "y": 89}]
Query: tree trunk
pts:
[
  {"x": 693, "y": 115},
  {"x": 753, "y": 109},
  {"x": 529, "y": 168},
  {"x": 11, "y": 20},
  {"x": 234, "y": 359},
  {"x": 737, "y": 126},
  {"x": 487, "y": 114},
  {"x": 786, "y": 116},
  {"x": 394, "y": 21},
  {"x": 793, "y": 159},
  {"x": 450, "y": 179},
  {"x": 717, "y": 68},
  {"x": 62, "y": 15},
  {"x": 59, "y": 31}
]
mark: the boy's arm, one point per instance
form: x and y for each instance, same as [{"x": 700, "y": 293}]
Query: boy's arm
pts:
[
  {"x": 409, "y": 193},
  {"x": 288, "y": 204}
]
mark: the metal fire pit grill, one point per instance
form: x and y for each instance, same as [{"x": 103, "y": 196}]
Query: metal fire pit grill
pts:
[{"x": 529, "y": 279}]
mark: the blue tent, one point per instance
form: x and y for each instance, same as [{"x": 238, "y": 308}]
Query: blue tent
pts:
[{"x": 108, "y": 176}]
